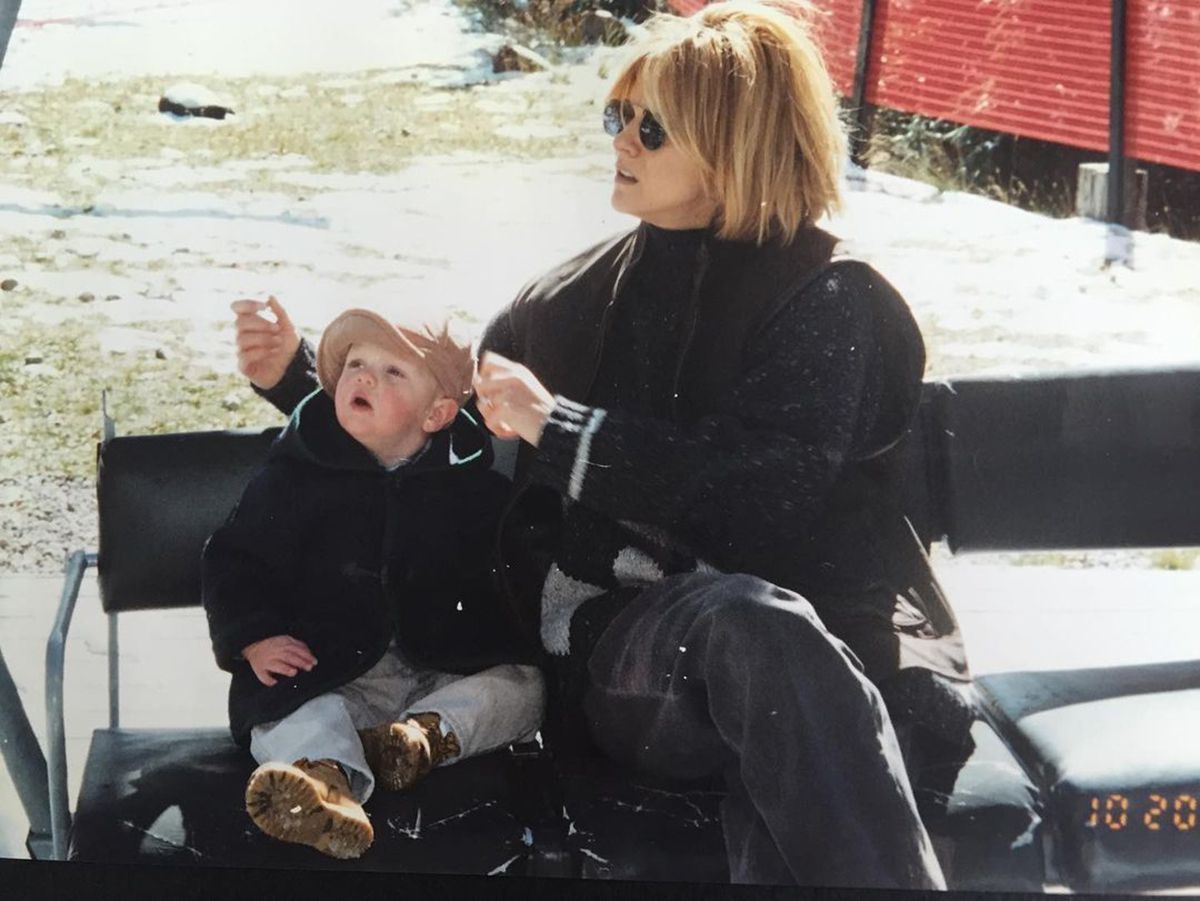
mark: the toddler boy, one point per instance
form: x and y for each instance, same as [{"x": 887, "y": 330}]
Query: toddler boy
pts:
[{"x": 351, "y": 592}]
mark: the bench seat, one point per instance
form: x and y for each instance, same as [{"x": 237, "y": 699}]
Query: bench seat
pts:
[{"x": 175, "y": 796}]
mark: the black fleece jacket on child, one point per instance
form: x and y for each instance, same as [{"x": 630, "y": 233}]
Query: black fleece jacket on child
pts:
[{"x": 331, "y": 548}]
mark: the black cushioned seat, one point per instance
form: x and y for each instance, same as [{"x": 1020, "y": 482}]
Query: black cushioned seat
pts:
[
  {"x": 176, "y": 797},
  {"x": 982, "y": 813},
  {"x": 624, "y": 825},
  {"x": 983, "y": 816},
  {"x": 1117, "y": 754}
]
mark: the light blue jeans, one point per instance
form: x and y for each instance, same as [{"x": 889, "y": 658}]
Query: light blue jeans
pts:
[{"x": 485, "y": 711}]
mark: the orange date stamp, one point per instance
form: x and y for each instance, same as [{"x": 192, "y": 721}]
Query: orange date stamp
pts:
[{"x": 1153, "y": 812}]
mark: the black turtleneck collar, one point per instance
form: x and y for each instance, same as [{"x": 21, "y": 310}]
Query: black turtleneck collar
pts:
[{"x": 669, "y": 242}]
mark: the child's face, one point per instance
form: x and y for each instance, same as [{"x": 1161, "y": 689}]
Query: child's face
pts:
[{"x": 386, "y": 402}]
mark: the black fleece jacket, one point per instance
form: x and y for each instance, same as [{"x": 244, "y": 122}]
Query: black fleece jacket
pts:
[{"x": 329, "y": 547}]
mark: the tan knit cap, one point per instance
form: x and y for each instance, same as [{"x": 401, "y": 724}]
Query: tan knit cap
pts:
[{"x": 428, "y": 341}]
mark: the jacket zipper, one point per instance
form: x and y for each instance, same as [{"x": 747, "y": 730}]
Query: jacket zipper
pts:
[{"x": 622, "y": 278}]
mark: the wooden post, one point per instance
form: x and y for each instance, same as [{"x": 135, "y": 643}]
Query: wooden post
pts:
[
  {"x": 1092, "y": 194},
  {"x": 1116, "y": 114},
  {"x": 862, "y": 70}
]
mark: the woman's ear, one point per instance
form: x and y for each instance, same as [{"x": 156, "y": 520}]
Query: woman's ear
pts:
[{"x": 441, "y": 413}]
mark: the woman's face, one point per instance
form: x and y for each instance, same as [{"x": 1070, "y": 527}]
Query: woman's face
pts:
[{"x": 662, "y": 187}]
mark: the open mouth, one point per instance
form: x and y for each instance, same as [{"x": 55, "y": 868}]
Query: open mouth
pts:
[
  {"x": 625, "y": 178},
  {"x": 360, "y": 403}
]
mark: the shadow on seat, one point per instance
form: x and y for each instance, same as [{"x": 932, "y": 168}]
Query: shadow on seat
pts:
[{"x": 176, "y": 797}]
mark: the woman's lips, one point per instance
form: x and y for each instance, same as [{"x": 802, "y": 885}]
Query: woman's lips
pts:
[{"x": 624, "y": 178}]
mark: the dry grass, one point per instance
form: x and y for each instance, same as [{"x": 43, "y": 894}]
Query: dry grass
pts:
[{"x": 376, "y": 124}]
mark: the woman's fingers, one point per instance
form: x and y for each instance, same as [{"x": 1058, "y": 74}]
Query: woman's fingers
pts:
[
  {"x": 499, "y": 427},
  {"x": 489, "y": 408},
  {"x": 502, "y": 430},
  {"x": 492, "y": 365}
]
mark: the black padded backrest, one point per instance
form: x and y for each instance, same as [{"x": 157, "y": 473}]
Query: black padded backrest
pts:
[
  {"x": 160, "y": 497},
  {"x": 1070, "y": 461}
]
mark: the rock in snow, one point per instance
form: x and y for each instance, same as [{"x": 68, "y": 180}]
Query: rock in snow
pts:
[
  {"x": 189, "y": 99},
  {"x": 515, "y": 58}
]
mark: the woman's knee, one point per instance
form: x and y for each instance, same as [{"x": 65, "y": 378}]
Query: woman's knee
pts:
[{"x": 748, "y": 602}]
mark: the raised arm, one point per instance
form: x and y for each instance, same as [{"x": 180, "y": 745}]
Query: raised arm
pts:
[
  {"x": 762, "y": 463},
  {"x": 280, "y": 365}
]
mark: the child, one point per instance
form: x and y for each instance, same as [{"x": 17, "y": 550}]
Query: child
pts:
[{"x": 351, "y": 589}]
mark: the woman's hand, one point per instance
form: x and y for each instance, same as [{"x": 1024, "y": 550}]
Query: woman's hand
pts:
[
  {"x": 265, "y": 348},
  {"x": 512, "y": 400},
  {"x": 279, "y": 655}
]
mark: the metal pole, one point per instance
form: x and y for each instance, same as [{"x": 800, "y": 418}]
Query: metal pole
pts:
[
  {"x": 56, "y": 738},
  {"x": 8, "y": 18},
  {"x": 24, "y": 759},
  {"x": 114, "y": 674},
  {"x": 862, "y": 67},
  {"x": 1116, "y": 117}
]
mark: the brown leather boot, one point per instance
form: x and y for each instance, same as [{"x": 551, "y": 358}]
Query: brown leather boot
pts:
[
  {"x": 309, "y": 802},
  {"x": 401, "y": 753}
]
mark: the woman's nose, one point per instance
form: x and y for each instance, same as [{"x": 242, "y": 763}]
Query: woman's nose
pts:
[{"x": 626, "y": 140}]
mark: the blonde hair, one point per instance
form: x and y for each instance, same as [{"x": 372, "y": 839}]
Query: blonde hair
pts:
[{"x": 741, "y": 88}]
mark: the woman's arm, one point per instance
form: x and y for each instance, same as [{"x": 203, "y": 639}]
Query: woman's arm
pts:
[{"x": 763, "y": 462}]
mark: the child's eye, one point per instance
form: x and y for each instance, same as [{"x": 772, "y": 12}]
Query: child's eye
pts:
[
  {"x": 395, "y": 372},
  {"x": 353, "y": 364}
]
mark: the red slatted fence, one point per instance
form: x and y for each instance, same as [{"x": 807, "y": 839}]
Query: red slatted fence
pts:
[{"x": 1036, "y": 68}]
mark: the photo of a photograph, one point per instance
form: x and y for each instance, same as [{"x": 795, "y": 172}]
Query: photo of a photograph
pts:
[{"x": 627, "y": 445}]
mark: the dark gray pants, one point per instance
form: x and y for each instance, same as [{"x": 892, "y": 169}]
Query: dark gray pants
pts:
[{"x": 702, "y": 674}]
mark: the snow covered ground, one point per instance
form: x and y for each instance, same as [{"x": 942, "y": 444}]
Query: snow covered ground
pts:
[
  {"x": 997, "y": 289},
  {"x": 145, "y": 245},
  {"x": 56, "y": 39}
]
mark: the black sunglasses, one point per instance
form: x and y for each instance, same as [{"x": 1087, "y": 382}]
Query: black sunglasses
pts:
[{"x": 619, "y": 113}]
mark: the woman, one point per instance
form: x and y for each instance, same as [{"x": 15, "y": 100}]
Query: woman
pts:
[{"x": 707, "y": 492}]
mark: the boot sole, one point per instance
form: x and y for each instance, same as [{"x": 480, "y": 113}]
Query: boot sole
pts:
[{"x": 283, "y": 802}]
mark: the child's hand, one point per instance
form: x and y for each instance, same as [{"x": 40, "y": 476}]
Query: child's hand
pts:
[
  {"x": 280, "y": 655},
  {"x": 265, "y": 347}
]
